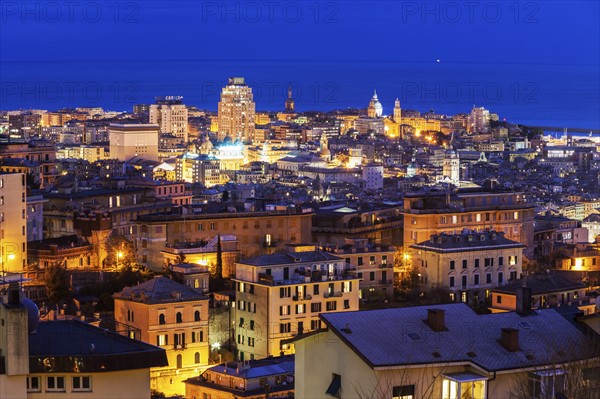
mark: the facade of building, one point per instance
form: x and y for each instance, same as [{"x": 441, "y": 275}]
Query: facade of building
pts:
[
  {"x": 198, "y": 168},
  {"x": 256, "y": 232},
  {"x": 171, "y": 316},
  {"x": 171, "y": 116},
  {"x": 68, "y": 358},
  {"x": 133, "y": 140},
  {"x": 446, "y": 352},
  {"x": 281, "y": 295},
  {"x": 470, "y": 263},
  {"x": 257, "y": 379},
  {"x": 236, "y": 111},
  {"x": 428, "y": 213},
  {"x": 13, "y": 222}
]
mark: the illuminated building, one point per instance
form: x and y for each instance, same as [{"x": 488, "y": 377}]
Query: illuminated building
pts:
[
  {"x": 173, "y": 317},
  {"x": 13, "y": 218},
  {"x": 133, "y": 140},
  {"x": 375, "y": 109},
  {"x": 171, "y": 116},
  {"x": 468, "y": 263},
  {"x": 236, "y": 116},
  {"x": 198, "y": 168},
  {"x": 289, "y": 102},
  {"x": 282, "y": 294},
  {"x": 230, "y": 155}
]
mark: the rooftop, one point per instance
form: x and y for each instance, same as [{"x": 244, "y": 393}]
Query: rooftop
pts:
[
  {"x": 400, "y": 336},
  {"x": 160, "y": 289},
  {"x": 290, "y": 257},
  {"x": 542, "y": 284},
  {"x": 69, "y": 345},
  {"x": 467, "y": 241}
]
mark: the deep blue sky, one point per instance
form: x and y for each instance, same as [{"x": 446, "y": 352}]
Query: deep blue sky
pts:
[{"x": 330, "y": 41}]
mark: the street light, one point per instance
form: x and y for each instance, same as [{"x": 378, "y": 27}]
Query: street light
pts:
[{"x": 119, "y": 256}]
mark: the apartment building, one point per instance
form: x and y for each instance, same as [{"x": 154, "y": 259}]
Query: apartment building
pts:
[
  {"x": 171, "y": 316},
  {"x": 282, "y": 294},
  {"x": 470, "y": 263},
  {"x": 13, "y": 222},
  {"x": 435, "y": 212}
]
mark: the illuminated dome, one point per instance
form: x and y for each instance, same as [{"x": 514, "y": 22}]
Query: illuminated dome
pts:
[
  {"x": 227, "y": 140},
  {"x": 375, "y": 107}
]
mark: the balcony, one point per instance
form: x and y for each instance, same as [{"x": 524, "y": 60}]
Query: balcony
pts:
[
  {"x": 385, "y": 281},
  {"x": 333, "y": 294},
  {"x": 179, "y": 347},
  {"x": 385, "y": 266}
]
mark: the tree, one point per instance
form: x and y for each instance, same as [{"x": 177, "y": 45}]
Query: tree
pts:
[
  {"x": 56, "y": 280},
  {"x": 217, "y": 282}
]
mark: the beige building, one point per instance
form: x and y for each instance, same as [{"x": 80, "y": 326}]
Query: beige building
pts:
[
  {"x": 256, "y": 232},
  {"x": 133, "y": 140},
  {"x": 447, "y": 352},
  {"x": 428, "y": 213},
  {"x": 470, "y": 264},
  {"x": 13, "y": 222},
  {"x": 171, "y": 116},
  {"x": 171, "y": 316},
  {"x": 282, "y": 294},
  {"x": 68, "y": 358},
  {"x": 236, "y": 117}
]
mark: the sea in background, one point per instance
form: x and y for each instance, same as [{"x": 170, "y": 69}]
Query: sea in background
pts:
[{"x": 539, "y": 94}]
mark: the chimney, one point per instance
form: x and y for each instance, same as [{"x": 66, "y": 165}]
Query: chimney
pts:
[
  {"x": 14, "y": 293},
  {"x": 435, "y": 320},
  {"x": 523, "y": 301},
  {"x": 510, "y": 339}
]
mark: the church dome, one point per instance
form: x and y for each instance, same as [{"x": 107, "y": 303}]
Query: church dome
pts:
[
  {"x": 227, "y": 140},
  {"x": 375, "y": 105}
]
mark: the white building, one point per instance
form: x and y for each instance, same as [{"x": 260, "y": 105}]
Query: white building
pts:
[
  {"x": 133, "y": 140},
  {"x": 171, "y": 116},
  {"x": 372, "y": 176}
]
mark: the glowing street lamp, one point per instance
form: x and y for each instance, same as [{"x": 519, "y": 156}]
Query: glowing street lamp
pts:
[{"x": 119, "y": 257}]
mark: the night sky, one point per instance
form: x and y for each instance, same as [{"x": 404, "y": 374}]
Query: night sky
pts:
[{"x": 239, "y": 34}]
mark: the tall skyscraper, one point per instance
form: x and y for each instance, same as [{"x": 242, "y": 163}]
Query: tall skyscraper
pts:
[
  {"x": 289, "y": 102},
  {"x": 128, "y": 140},
  {"x": 236, "y": 111},
  {"x": 13, "y": 222},
  {"x": 171, "y": 115}
]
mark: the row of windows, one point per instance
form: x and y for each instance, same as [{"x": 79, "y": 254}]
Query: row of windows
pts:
[
  {"x": 162, "y": 318},
  {"x": 478, "y": 218},
  {"x": 179, "y": 338},
  {"x": 301, "y": 291},
  {"x": 488, "y": 279},
  {"x": 58, "y": 384},
  {"x": 315, "y": 307},
  {"x": 487, "y": 262}
]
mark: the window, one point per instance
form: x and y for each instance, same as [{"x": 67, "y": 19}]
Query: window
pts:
[
  {"x": 316, "y": 289},
  {"x": 315, "y": 324},
  {"x": 252, "y": 324},
  {"x": 347, "y": 286},
  {"x": 360, "y": 261},
  {"x": 334, "y": 386},
  {"x": 464, "y": 264},
  {"x": 162, "y": 340},
  {"x": 476, "y": 262},
  {"x": 212, "y": 225},
  {"x": 488, "y": 278},
  {"x": 498, "y": 299},
  {"x": 179, "y": 317},
  {"x": 464, "y": 282},
  {"x": 55, "y": 384},
  {"x": 547, "y": 383},
  {"x": 403, "y": 392},
  {"x": 500, "y": 278},
  {"x": 346, "y": 304},
  {"x": 285, "y": 328},
  {"x": 451, "y": 281},
  {"x": 197, "y": 315},
  {"x": 161, "y": 318},
  {"x": 315, "y": 307},
  {"x": 476, "y": 279},
  {"x": 331, "y": 305},
  {"x": 241, "y": 322},
  {"x": 512, "y": 260},
  {"x": 33, "y": 384},
  {"x": 452, "y": 265},
  {"x": 301, "y": 308},
  {"x": 82, "y": 383},
  {"x": 197, "y": 357},
  {"x": 285, "y": 292},
  {"x": 179, "y": 361},
  {"x": 501, "y": 261},
  {"x": 284, "y": 310},
  {"x": 372, "y": 276}
]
